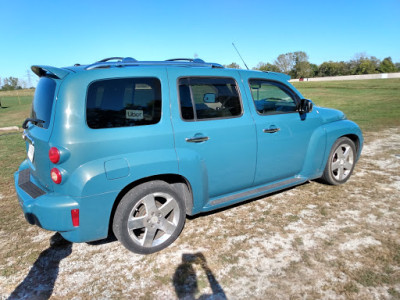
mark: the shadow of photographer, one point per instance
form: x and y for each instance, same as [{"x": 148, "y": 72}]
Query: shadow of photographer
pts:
[
  {"x": 185, "y": 278},
  {"x": 39, "y": 283}
]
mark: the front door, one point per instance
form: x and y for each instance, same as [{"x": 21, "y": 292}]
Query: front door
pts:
[{"x": 283, "y": 133}]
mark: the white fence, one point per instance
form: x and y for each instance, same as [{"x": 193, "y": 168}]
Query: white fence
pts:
[{"x": 352, "y": 77}]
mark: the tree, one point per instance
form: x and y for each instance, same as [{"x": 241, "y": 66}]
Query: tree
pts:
[
  {"x": 387, "y": 66},
  {"x": 314, "y": 70},
  {"x": 367, "y": 66},
  {"x": 362, "y": 64},
  {"x": 332, "y": 68},
  {"x": 302, "y": 67},
  {"x": 295, "y": 64},
  {"x": 10, "y": 83},
  {"x": 232, "y": 66},
  {"x": 285, "y": 62},
  {"x": 267, "y": 67}
]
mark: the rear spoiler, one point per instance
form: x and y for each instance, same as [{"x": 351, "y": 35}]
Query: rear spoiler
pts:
[{"x": 52, "y": 71}]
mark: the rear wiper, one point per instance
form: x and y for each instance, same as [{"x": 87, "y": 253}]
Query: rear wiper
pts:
[{"x": 33, "y": 121}]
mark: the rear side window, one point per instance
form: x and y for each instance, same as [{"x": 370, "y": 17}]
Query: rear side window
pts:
[
  {"x": 123, "y": 102},
  {"x": 42, "y": 104},
  {"x": 209, "y": 98}
]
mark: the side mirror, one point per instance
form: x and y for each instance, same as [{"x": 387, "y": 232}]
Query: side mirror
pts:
[
  {"x": 305, "y": 106},
  {"x": 209, "y": 98}
]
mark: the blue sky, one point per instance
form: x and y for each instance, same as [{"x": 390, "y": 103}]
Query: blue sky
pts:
[{"x": 61, "y": 33}]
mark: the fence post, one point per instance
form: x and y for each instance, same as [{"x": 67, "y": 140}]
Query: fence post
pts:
[{"x": 19, "y": 100}]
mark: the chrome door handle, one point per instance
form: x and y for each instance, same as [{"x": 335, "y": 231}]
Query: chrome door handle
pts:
[
  {"x": 198, "y": 139},
  {"x": 271, "y": 130}
]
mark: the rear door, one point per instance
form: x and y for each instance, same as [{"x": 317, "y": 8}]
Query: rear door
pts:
[{"x": 215, "y": 135}]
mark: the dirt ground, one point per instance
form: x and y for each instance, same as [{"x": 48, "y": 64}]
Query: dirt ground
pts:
[{"x": 310, "y": 242}]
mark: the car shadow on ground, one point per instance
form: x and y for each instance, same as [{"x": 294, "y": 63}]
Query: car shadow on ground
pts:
[
  {"x": 39, "y": 283},
  {"x": 185, "y": 279},
  {"x": 109, "y": 239}
]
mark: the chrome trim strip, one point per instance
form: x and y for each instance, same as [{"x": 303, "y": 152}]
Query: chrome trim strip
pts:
[{"x": 257, "y": 190}]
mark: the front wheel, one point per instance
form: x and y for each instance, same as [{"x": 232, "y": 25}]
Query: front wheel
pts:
[
  {"x": 149, "y": 217},
  {"x": 341, "y": 162}
]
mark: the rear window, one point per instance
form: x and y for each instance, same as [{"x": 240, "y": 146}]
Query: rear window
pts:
[
  {"x": 42, "y": 104},
  {"x": 123, "y": 102}
]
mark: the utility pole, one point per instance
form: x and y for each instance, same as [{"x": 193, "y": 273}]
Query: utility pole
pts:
[{"x": 28, "y": 74}]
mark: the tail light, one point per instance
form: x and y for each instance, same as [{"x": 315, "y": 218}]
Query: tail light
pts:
[
  {"x": 56, "y": 175},
  {"x": 54, "y": 155},
  {"x": 75, "y": 217}
]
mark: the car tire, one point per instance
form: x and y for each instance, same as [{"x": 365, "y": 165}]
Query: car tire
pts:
[
  {"x": 341, "y": 161},
  {"x": 149, "y": 217}
]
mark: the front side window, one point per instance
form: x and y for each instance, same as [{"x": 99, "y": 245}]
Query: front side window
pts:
[
  {"x": 209, "y": 98},
  {"x": 272, "y": 97},
  {"x": 123, "y": 102}
]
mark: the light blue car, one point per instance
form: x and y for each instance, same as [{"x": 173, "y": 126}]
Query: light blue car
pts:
[{"x": 132, "y": 147}]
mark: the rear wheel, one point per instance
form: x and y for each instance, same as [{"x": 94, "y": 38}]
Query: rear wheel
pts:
[
  {"x": 149, "y": 217},
  {"x": 341, "y": 162}
]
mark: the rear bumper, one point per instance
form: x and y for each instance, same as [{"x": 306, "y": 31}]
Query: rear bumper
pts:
[
  {"x": 52, "y": 211},
  {"x": 47, "y": 210}
]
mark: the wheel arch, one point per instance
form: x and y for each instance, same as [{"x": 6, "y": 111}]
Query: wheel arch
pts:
[
  {"x": 356, "y": 140},
  {"x": 180, "y": 183},
  {"x": 339, "y": 129}
]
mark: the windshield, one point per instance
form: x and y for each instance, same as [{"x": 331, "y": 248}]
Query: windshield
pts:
[{"x": 43, "y": 101}]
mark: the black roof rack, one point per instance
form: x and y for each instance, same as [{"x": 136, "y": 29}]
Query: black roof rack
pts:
[
  {"x": 129, "y": 61},
  {"x": 196, "y": 60}
]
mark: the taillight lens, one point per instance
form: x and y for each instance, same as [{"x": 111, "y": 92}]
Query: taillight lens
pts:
[
  {"x": 56, "y": 175},
  {"x": 75, "y": 217},
  {"x": 54, "y": 155}
]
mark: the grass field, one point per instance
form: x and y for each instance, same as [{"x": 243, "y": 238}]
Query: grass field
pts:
[
  {"x": 330, "y": 242},
  {"x": 372, "y": 104},
  {"x": 15, "y": 107}
]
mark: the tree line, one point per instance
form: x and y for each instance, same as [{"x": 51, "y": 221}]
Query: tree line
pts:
[
  {"x": 14, "y": 83},
  {"x": 297, "y": 65},
  {"x": 10, "y": 84}
]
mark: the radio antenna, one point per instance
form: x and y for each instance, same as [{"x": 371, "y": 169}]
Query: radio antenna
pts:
[{"x": 240, "y": 55}]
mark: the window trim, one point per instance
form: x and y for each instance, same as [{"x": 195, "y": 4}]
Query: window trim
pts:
[
  {"x": 116, "y": 78},
  {"x": 279, "y": 84},
  {"x": 192, "y": 100}
]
